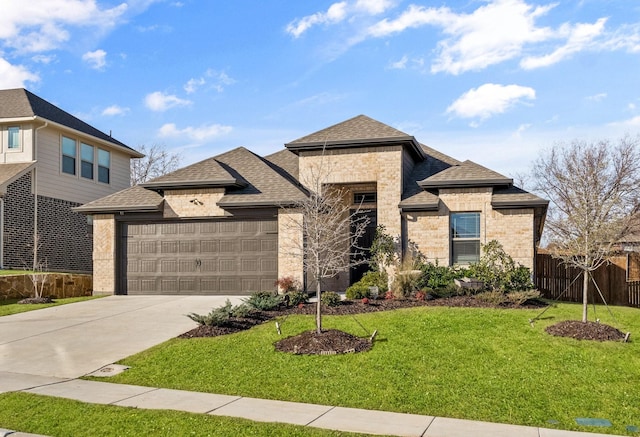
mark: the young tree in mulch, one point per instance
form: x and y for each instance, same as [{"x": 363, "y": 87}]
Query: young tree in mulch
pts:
[
  {"x": 330, "y": 229},
  {"x": 594, "y": 190}
]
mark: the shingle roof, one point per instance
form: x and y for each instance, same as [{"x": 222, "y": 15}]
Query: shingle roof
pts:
[
  {"x": 287, "y": 161},
  {"x": 265, "y": 185},
  {"x": 467, "y": 174},
  {"x": 357, "y": 131},
  {"x": 17, "y": 103},
  {"x": 512, "y": 196},
  {"x": 130, "y": 199},
  {"x": 11, "y": 172},
  {"x": 207, "y": 173}
]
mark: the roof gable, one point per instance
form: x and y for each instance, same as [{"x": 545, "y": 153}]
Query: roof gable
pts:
[
  {"x": 359, "y": 131},
  {"x": 18, "y": 103},
  {"x": 466, "y": 174},
  {"x": 134, "y": 198}
]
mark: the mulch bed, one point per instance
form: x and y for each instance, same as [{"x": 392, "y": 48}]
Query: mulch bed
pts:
[
  {"x": 337, "y": 342},
  {"x": 585, "y": 331}
]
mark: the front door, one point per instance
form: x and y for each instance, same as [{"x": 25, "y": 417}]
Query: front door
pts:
[{"x": 364, "y": 244}]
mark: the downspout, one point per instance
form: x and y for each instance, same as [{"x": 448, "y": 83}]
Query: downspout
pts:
[{"x": 35, "y": 196}]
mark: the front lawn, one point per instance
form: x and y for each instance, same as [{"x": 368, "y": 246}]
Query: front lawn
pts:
[
  {"x": 10, "y": 306},
  {"x": 63, "y": 417},
  {"x": 470, "y": 363}
]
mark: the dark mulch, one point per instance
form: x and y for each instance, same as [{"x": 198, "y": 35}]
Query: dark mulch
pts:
[
  {"x": 34, "y": 300},
  {"x": 585, "y": 331},
  {"x": 329, "y": 342}
]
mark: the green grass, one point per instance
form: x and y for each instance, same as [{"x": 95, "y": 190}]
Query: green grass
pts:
[
  {"x": 62, "y": 417},
  {"x": 480, "y": 364},
  {"x": 15, "y": 272},
  {"x": 10, "y": 306}
]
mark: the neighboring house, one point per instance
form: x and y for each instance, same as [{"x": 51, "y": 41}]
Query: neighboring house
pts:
[
  {"x": 220, "y": 226},
  {"x": 51, "y": 162}
]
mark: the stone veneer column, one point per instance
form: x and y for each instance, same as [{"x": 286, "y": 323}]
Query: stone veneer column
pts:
[
  {"x": 290, "y": 257},
  {"x": 104, "y": 254}
]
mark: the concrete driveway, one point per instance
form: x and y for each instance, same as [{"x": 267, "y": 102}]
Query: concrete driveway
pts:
[{"x": 72, "y": 340}]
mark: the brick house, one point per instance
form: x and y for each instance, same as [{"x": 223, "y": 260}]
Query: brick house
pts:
[
  {"x": 220, "y": 226},
  {"x": 51, "y": 162}
]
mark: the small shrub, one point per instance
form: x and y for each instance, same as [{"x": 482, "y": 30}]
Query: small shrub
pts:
[
  {"x": 436, "y": 276},
  {"x": 217, "y": 317},
  {"x": 296, "y": 297},
  {"x": 288, "y": 284},
  {"x": 520, "y": 297},
  {"x": 421, "y": 295},
  {"x": 389, "y": 295},
  {"x": 242, "y": 310},
  {"x": 358, "y": 291},
  {"x": 520, "y": 279},
  {"x": 263, "y": 300},
  {"x": 365, "y": 301},
  {"x": 448, "y": 291},
  {"x": 330, "y": 298},
  {"x": 493, "y": 297}
]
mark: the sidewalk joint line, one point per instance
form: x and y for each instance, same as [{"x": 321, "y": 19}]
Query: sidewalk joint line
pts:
[
  {"x": 330, "y": 409},
  {"x": 224, "y": 405},
  {"x": 433, "y": 418}
]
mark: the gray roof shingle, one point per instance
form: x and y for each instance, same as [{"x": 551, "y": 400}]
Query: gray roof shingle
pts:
[
  {"x": 513, "y": 196},
  {"x": 135, "y": 198},
  {"x": 357, "y": 131},
  {"x": 17, "y": 103},
  {"x": 466, "y": 174},
  {"x": 207, "y": 173},
  {"x": 11, "y": 172}
]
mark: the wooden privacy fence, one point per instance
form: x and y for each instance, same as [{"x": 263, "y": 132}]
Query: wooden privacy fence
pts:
[{"x": 618, "y": 287}]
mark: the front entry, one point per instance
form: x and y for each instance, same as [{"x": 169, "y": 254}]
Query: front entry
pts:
[{"x": 364, "y": 242}]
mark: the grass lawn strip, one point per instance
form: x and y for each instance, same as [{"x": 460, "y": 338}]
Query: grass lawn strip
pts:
[
  {"x": 63, "y": 417},
  {"x": 10, "y": 306},
  {"x": 478, "y": 364}
]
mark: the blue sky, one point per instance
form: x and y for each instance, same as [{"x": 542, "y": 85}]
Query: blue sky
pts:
[{"x": 494, "y": 81}]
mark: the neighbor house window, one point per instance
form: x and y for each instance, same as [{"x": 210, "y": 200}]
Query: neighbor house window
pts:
[
  {"x": 465, "y": 237},
  {"x": 86, "y": 161},
  {"x": 14, "y": 138},
  {"x": 104, "y": 165},
  {"x": 364, "y": 198},
  {"x": 69, "y": 154}
]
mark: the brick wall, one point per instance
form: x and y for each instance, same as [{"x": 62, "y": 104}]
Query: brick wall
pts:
[
  {"x": 178, "y": 203},
  {"x": 64, "y": 239}
]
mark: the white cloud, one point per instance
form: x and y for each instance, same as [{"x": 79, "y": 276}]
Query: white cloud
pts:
[
  {"x": 41, "y": 25},
  {"x": 489, "y": 99},
  {"x": 596, "y": 97},
  {"x": 96, "y": 59},
  {"x": 15, "y": 76},
  {"x": 43, "y": 59},
  {"x": 200, "y": 134},
  {"x": 216, "y": 80},
  {"x": 115, "y": 110},
  {"x": 401, "y": 64},
  {"x": 159, "y": 101},
  {"x": 373, "y": 7},
  {"x": 336, "y": 13},
  {"x": 579, "y": 37},
  {"x": 632, "y": 122}
]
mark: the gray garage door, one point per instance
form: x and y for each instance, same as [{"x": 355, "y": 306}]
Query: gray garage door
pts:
[{"x": 200, "y": 257}]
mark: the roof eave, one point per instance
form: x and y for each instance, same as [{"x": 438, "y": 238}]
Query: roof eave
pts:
[
  {"x": 337, "y": 144},
  {"x": 257, "y": 204},
  {"x": 465, "y": 184},
  {"x": 416, "y": 207},
  {"x": 515, "y": 204},
  {"x": 117, "y": 209},
  {"x": 179, "y": 185}
]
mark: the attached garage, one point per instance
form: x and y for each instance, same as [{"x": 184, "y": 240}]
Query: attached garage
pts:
[{"x": 208, "y": 257}]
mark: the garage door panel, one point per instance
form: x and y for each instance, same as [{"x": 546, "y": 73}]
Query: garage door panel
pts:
[{"x": 228, "y": 256}]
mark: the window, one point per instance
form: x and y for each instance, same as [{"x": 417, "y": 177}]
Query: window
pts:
[
  {"x": 69, "y": 155},
  {"x": 104, "y": 165},
  {"x": 86, "y": 161},
  {"x": 14, "y": 138},
  {"x": 465, "y": 237},
  {"x": 364, "y": 198}
]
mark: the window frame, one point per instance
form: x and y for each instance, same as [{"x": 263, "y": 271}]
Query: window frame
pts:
[
  {"x": 365, "y": 197},
  {"x": 17, "y": 131},
  {"x": 64, "y": 155},
  {"x": 101, "y": 167},
  {"x": 83, "y": 161},
  {"x": 470, "y": 236}
]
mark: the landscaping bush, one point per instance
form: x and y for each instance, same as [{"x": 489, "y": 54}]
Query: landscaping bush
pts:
[
  {"x": 494, "y": 297},
  {"x": 263, "y": 300},
  {"x": 217, "y": 317},
  {"x": 360, "y": 289},
  {"x": 435, "y": 276},
  {"x": 520, "y": 297},
  {"x": 288, "y": 284},
  {"x": 499, "y": 271},
  {"x": 242, "y": 310},
  {"x": 330, "y": 298},
  {"x": 295, "y": 298}
]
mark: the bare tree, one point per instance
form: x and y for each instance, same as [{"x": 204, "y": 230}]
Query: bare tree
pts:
[
  {"x": 330, "y": 230},
  {"x": 156, "y": 162},
  {"x": 594, "y": 194}
]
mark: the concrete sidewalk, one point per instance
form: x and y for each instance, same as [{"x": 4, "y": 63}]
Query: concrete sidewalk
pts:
[{"x": 318, "y": 416}]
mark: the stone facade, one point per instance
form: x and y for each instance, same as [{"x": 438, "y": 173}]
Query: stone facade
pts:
[
  {"x": 56, "y": 285},
  {"x": 64, "y": 238},
  {"x": 290, "y": 262},
  {"x": 193, "y": 203},
  {"x": 104, "y": 254},
  {"x": 513, "y": 228}
]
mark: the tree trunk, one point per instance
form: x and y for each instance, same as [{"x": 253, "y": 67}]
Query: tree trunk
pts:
[
  {"x": 585, "y": 295},
  {"x": 318, "y": 314}
]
